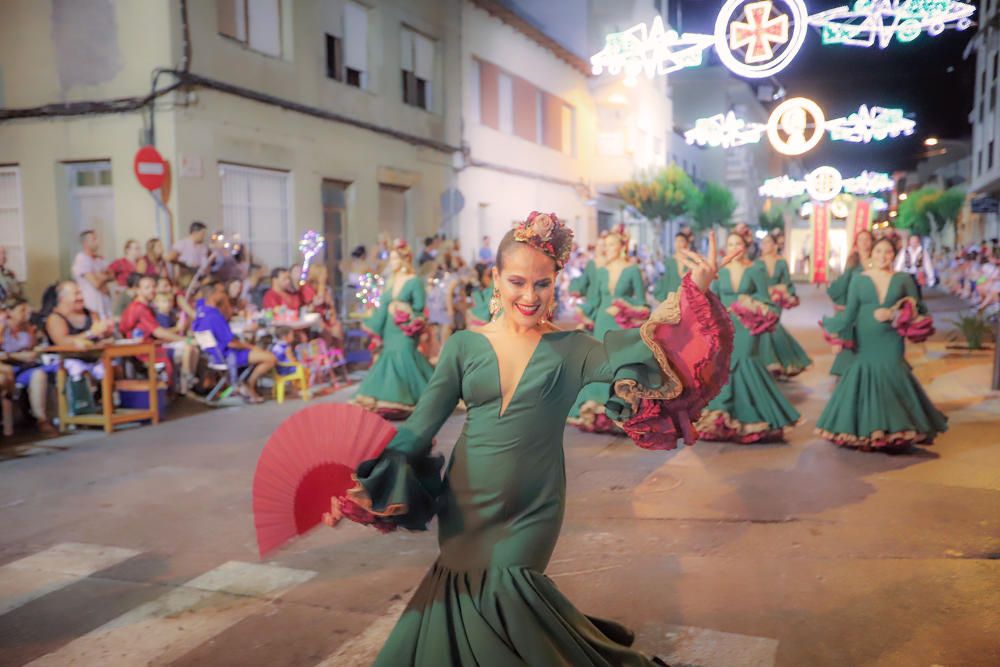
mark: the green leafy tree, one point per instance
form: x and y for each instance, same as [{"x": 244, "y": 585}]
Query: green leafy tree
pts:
[
  {"x": 944, "y": 209},
  {"x": 667, "y": 194},
  {"x": 715, "y": 207},
  {"x": 912, "y": 213}
]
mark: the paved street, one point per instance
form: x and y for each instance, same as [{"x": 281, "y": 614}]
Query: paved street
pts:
[{"x": 139, "y": 548}]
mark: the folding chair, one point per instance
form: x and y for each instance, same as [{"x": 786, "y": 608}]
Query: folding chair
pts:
[
  {"x": 356, "y": 347},
  {"x": 222, "y": 364}
]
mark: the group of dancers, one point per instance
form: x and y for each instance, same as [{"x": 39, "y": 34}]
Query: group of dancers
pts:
[
  {"x": 711, "y": 352},
  {"x": 878, "y": 404}
]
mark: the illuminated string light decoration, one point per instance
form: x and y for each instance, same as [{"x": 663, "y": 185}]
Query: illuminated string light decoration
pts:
[
  {"x": 782, "y": 187},
  {"x": 869, "y": 182},
  {"x": 725, "y": 130},
  {"x": 867, "y": 125},
  {"x": 650, "y": 51},
  {"x": 760, "y": 38},
  {"x": 825, "y": 183},
  {"x": 876, "y": 22},
  {"x": 796, "y": 126},
  {"x": 370, "y": 286},
  {"x": 310, "y": 245},
  {"x": 757, "y": 39}
]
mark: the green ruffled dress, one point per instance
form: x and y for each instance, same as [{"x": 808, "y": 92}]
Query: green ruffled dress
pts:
[
  {"x": 670, "y": 281},
  {"x": 479, "y": 314},
  {"x": 751, "y": 407},
  {"x": 588, "y": 411},
  {"x": 585, "y": 285},
  {"x": 401, "y": 373},
  {"x": 486, "y": 601},
  {"x": 779, "y": 351},
  {"x": 837, "y": 291},
  {"x": 878, "y": 403}
]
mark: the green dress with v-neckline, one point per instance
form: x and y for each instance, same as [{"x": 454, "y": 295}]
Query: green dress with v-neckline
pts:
[
  {"x": 779, "y": 351},
  {"x": 486, "y": 601},
  {"x": 670, "y": 280},
  {"x": 588, "y": 411},
  {"x": 837, "y": 291},
  {"x": 878, "y": 403},
  {"x": 400, "y": 375},
  {"x": 751, "y": 407}
]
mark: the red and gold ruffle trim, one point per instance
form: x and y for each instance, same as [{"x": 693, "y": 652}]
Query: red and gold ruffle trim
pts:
[
  {"x": 719, "y": 425},
  {"x": 878, "y": 440},
  {"x": 594, "y": 419},
  {"x": 385, "y": 409}
]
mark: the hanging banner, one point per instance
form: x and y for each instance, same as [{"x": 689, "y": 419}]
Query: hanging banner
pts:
[
  {"x": 862, "y": 216},
  {"x": 820, "y": 231}
]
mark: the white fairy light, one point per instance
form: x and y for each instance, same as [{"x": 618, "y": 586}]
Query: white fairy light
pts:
[
  {"x": 874, "y": 124},
  {"x": 876, "y": 22},
  {"x": 650, "y": 51},
  {"x": 725, "y": 130},
  {"x": 869, "y": 183},
  {"x": 825, "y": 183}
]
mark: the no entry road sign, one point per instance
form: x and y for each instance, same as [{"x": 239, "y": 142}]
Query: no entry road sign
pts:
[{"x": 150, "y": 168}]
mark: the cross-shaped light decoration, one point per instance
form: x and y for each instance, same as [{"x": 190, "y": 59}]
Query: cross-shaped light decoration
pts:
[{"x": 758, "y": 32}]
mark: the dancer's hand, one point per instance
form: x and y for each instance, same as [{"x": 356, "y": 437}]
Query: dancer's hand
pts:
[
  {"x": 883, "y": 314},
  {"x": 333, "y": 517},
  {"x": 704, "y": 271}
]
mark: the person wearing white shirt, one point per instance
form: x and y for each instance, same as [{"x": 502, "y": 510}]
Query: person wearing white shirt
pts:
[
  {"x": 914, "y": 260},
  {"x": 91, "y": 273}
]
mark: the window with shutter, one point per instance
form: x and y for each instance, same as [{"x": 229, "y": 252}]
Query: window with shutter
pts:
[
  {"x": 255, "y": 206},
  {"x": 489, "y": 97},
  {"x": 417, "y": 64},
  {"x": 12, "y": 221},
  {"x": 254, "y": 23},
  {"x": 355, "y": 45}
]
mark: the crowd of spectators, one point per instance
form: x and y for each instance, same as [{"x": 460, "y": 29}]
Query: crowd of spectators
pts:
[
  {"x": 203, "y": 282},
  {"x": 973, "y": 274}
]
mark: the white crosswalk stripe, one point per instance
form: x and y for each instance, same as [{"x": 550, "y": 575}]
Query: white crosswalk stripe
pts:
[
  {"x": 164, "y": 629},
  {"x": 62, "y": 565}
]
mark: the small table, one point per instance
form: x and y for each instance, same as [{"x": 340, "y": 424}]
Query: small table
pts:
[{"x": 106, "y": 353}]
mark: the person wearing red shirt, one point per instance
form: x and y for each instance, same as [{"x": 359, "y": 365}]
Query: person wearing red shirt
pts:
[
  {"x": 282, "y": 292},
  {"x": 139, "y": 321},
  {"x": 126, "y": 265}
]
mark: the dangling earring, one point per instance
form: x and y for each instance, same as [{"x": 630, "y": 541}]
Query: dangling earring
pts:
[
  {"x": 494, "y": 303},
  {"x": 550, "y": 312}
]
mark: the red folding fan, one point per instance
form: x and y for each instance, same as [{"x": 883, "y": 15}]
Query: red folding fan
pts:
[{"x": 308, "y": 460}]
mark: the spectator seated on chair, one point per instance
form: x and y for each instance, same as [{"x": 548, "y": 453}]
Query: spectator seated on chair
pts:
[
  {"x": 208, "y": 318},
  {"x": 18, "y": 342},
  {"x": 139, "y": 322},
  {"x": 283, "y": 291},
  {"x": 70, "y": 324},
  {"x": 288, "y": 369}
]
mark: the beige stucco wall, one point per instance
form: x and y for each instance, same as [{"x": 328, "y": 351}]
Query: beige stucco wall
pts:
[{"x": 493, "y": 199}]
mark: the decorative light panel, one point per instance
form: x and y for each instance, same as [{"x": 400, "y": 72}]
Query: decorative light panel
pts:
[
  {"x": 876, "y": 22},
  {"x": 725, "y": 130},
  {"x": 866, "y": 125},
  {"x": 825, "y": 183},
  {"x": 759, "y": 38}
]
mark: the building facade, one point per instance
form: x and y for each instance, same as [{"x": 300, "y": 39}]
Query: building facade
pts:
[
  {"x": 281, "y": 116},
  {"x": 985, "y": 120}
]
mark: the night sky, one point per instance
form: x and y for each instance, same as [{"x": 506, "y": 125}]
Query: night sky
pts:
[{"x": 927, "y": 78}]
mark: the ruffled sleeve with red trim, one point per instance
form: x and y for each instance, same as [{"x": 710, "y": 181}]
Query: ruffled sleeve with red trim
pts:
[{"x": 665, "y": 372}]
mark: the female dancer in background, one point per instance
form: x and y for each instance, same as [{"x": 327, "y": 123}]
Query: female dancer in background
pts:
[
  {"x": 857, "y": 262},
  {"x": 619, "y": 302},
  {"x": 585, "y": 286},
  {"x": 750, "y": 408},
  {"x": 878, "y": 403},
  {"x": 673, "y": 271},
  {"x": 781, "y": 354},
  {"x": 486, "y": 601},
  {"x": 400, "y": 374}
]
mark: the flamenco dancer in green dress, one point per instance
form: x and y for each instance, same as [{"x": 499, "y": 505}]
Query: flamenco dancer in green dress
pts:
[
  {"x": 673, "y": 271},
  {"x": 618, "y": 296},
  {"x": 401, "y": 373},
  {"x": 781, "y": 354},
  {"x": 878, "y": 404},
  {"x": 585, "y": 286},
  {"x": 857, "y": 262},
  {"x": 486, "y": 601},
  {"x": 750, "y": 408}
]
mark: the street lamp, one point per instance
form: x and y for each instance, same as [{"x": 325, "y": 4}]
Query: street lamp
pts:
[
  {"x": 903, "y": 197},
  {"x": 931, "y": 141}
]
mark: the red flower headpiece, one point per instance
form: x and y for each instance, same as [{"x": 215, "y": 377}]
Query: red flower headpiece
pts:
[
  {"x": 403, "y": 249},
  {"x": 619, "y": 231},
  {"x": 545, "y": 232}
]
